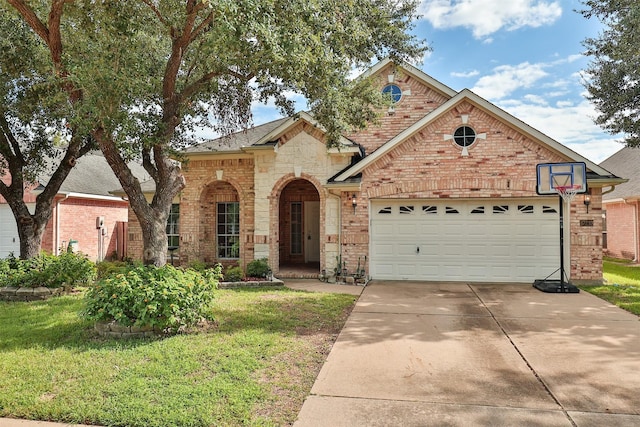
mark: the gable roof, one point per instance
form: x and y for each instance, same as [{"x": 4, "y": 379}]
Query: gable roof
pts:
[
  {"x": 263, "y": 136},
  {"x": 236, "y": 141},
  {"x": 414, "y": 72},
  {"x": 469, "y": 96},
  {"x": 92, "y": 176},
  {"x": 624, "y": 163}
]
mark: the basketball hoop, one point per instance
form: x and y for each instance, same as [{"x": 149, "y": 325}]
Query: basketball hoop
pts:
[{"x": 568, "y": 192}]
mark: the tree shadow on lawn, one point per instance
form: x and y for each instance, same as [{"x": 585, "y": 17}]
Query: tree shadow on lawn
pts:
[
  {"x": 282, "y": 310},
  {"x": 52, "y": 324},
  {"x": 56, "y": 323}
]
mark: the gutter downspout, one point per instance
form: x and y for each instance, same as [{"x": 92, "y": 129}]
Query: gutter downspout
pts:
[
  {"x": 635, "y": 231},
  {"x": 57, "y": 231},
  {"x": 634, "y": 205}
]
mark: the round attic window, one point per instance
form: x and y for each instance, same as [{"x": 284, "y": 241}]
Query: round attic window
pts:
[
  {"x": 393, "y": 91},
  {"x": 464, "y": 136}
]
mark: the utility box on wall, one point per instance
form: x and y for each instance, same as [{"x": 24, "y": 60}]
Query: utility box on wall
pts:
[{"x": 100, "y": 222}]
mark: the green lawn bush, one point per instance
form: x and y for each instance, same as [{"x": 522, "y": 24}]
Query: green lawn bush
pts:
[
  {"x": 258, "y": 268},
  {"x": 66, "y": 270},
  {"x": 164, "y": 298},
  {"x": 110, "y": 268},
  {"x": 233, "y": 274}
]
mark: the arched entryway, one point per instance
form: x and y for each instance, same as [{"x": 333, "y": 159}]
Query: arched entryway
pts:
[
  {"x": 299, "y": 228},
  {"x": 220, "y": 224}
]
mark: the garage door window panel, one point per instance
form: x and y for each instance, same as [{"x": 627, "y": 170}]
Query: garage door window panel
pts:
[{"x": 430, "y": 210}]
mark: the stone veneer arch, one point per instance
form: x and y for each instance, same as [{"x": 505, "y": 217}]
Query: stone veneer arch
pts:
[{"x": 274, "y": 201}]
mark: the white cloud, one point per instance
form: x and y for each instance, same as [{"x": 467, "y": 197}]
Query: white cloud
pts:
[
  {"x": 468, "y": 74},
  {"x": 536, "y": 99},
  {"x": 485, "y": 17},
  {"x": 570, "y": 124},
  {"x": 508, "y": 78}
]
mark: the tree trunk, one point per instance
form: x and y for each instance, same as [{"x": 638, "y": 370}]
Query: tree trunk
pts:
[
  {"x": 152, "y": 217},
  {"x": 30, "y": 233},
  {"x": 154, "y": 239}
]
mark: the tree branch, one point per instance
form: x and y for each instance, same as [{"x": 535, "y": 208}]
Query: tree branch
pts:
[
  {"x": 32, "y": 19},
  {"x": 156, "y": 12},
  {"x": 201, "y": 28},
  {"x": 148, "y": 165}
]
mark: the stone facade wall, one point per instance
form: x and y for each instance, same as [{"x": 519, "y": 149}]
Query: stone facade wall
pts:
[{"x": 300, "y": 155}]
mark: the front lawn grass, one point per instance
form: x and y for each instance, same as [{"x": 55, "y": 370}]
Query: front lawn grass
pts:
[
  {"x": 253, "y": 366},
  {"x": 622, "y": 285}
]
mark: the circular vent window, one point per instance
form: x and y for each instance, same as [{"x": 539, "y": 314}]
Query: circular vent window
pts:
[
  {"x": 393, "y": 91},
  {"x": 464, "y": 136}
]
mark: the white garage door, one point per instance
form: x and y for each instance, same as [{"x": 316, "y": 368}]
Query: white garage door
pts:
[
  {"x": 9, "y": 241},
  {"x": 465, "y": 240}
]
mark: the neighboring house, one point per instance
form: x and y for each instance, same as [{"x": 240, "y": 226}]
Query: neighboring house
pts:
[
  {"x": 621, "y": 206},
  {"x": 84, "y": 212},
  {"x": 443, "y": 188}
]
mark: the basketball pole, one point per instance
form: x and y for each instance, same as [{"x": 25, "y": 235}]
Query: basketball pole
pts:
[
  {"x": 566, "y": 180},
  {"x": 561, "y": 214}
]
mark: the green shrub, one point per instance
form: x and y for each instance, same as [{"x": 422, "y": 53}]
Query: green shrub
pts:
[
  {"x": 197, "y": 265},
  {"x": 233, "y": 274},
  {"x": 50, "y": 271},
  {"x": 109, "y": 268},
  {"x": 164, "y": 298},
  {"x": 258, "y": 268}
]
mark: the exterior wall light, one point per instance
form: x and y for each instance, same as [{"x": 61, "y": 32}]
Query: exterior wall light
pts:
[
  {"x": 354, "y": 203},
  {"x": 587, "y": 201}
]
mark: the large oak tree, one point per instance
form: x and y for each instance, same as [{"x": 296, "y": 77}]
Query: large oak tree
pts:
[
  {"x": 613, "y": 76},
  {"x": 148, "y": 72},
  {"x": 35, "y": 137}
]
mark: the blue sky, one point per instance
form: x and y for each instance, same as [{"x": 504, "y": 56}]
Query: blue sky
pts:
[{"x": 525, "y": 56}]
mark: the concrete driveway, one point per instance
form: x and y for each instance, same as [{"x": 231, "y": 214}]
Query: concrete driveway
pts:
[{"x": 455, "y": 354}]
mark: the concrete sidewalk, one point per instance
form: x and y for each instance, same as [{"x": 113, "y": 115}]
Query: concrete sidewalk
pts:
[{"x": 456, "y": 354}]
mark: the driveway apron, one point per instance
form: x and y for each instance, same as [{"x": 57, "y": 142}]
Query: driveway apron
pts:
[{"x": 424, "y": 353}]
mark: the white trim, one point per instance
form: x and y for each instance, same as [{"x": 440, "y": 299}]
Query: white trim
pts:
[{"x": 91, "y": 196}]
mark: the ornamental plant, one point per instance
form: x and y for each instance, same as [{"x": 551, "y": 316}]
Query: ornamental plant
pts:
[
  {"x": 163, "y": 298},
  {"x": 66, "y": 270},
  {"x": 258, "y": 268}
]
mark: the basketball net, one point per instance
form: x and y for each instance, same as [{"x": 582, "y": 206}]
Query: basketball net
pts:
[{"x": 567, "y": 192}]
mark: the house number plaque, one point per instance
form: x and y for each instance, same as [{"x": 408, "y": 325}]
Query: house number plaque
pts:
[{"x": 586, "y": 223}]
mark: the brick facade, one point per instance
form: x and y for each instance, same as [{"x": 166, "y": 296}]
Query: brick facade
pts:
[
  {"x": 425, "y": 164},
  {"x": 622, "y": 239},
  {"x": 76, "y": 220}
]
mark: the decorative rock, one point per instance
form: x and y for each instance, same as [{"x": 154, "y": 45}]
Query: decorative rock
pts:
[
  {"x": 28, "y": 294},
  {"x": 349, "y": 280},
  {"x": 114, "y": 330},
  {"x": 8, "y": 290}
]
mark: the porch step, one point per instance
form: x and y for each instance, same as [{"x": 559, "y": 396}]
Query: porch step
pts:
[{"x": 297, "y": 274}]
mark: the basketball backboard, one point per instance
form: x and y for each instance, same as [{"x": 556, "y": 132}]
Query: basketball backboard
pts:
[{"x": 552, "y": 176}]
